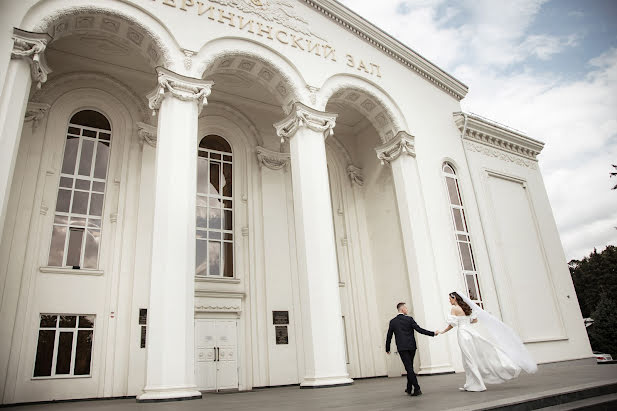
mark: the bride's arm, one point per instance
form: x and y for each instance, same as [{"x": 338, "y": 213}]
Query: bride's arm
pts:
[{"x": 448, "y": 328}]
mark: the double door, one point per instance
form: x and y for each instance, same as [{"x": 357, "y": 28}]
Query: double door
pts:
[{"x": 216, "y": 349}]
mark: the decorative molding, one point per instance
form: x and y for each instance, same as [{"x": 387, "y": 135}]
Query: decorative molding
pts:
[
  {"x": 402, "y": 143},
  {"x": 179, "y": 86},
  {"x": 245, "y": 231},
  {"x": 274, "y": 160},
  {"x": 355, "y": 175},
  {"x": 493, "y": 152},
  {"x": 35, "y": 112},
  {"x": 301, "y": 116},
  {"x": 147, "y": 133},
  {"x": 30, "y": 47},
  {"x": 218, "y": 304},
  {"x": 390, "y": 46},
  {"x": 488, "y": 133}
]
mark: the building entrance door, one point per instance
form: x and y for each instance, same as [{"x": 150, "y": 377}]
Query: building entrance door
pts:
[{"x": 216, "y": 349}]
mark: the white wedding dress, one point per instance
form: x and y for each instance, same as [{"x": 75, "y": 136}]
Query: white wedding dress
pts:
[{"x": 484, "y": 362}]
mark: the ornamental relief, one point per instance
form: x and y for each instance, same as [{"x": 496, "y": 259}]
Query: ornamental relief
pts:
[{"x": 492, "y": 152}]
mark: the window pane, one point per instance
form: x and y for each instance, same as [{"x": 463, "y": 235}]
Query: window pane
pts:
[
  {"x": 466, "y": 257},
  {"x": 228, "y": 259},
  {"x": 94, "y": 222},
  {"x": 65, "y": 346},
  {"x": 91, "y": 118},
  {"x": 214, "y": 218},
  {"x": 44, "y": 353},
  {"x": 98, "y": 186},
  {"x": 215, "y": 235},
  {"x": 61, "y": 219},
  {"x": 96, "y": 204},
  {"x": 68, "y": 321},
  {"x": 214, "y": 257},
  {"x": 102, "y": 155},
  {"x": 214, "y": 202},
  {"x": 85, "y": 160},
  {"x": 48, "y": 321},
  {"x": 448, "y": 169},
  {"x": 458, "y": 219},
  {"x": 200, "y": 257},
  {"x": 74, "y": 130},
  {"x": 215, "y": 169},
  {"x": 70, "y": 155},
  {"x": 226, "y": 183},
  {"x": 73, "y": 253},
  {"x": 78, "y": 222},
  {"x": 452, "y": 191},
  {"x": 216, "y": 143},
  {"x": 105, "y": 136},
  {"x": 83, "y": 352},
  {"x": 82, "y": 184},
  {"x": 227, "y": 203},
  {"x": 91, "y": 256},
  {"x": 471, "y": 287},
  {"x": 56, "y": 250},
  {"x": 202, "y": 175},
  {"x": 201, "y": 214},
  {"x": 86, "y": 321},
  {"x": 80, "y": 202},
  {"x": 89, "y": 133},
  {"x": 64, "y": 200},
  {"x": 66, "y": 182},
  {"x": 227, "y": 220}
]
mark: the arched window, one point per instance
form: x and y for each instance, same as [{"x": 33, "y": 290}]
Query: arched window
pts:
[
  {"x": 77, "y": 225},
  {"x": 461, "y": 233},
  {"x": 214, "y": 240}
]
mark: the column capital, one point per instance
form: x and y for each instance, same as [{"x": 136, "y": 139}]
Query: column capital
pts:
[
  {"x": 35, "y": 112},
  {"x": 147, "y": 133},
  {"x": 179, "y": 86},
  {"x": 301, "y": 115},
  {"x": 30, "y": 46},
  {"x": 402, "y": 143},
  {"x": 274, "y": 160},
  {"x": 355, "y": 175}
]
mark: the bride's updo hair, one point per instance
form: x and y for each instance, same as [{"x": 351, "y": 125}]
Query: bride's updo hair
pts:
[{"x": 461, "y": 303}]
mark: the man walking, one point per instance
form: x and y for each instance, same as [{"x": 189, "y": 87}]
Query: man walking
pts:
[{"x": 402, "y": 326}]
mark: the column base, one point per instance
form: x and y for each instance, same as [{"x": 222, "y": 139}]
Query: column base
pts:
[
  {"x": 436, "y": 369},
  {"x": 323, "y": 382},
  {"x": 169, "y": 394}
]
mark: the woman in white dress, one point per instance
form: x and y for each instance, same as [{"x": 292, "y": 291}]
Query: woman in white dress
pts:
[{"x": 486, "y": 361}]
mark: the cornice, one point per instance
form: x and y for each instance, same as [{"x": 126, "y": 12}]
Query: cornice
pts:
[
  {"x": 30, "y": 46},
  {"x": 402, "y": 143},
  {"x": 181, "y": 87},
  {"x": 304, "y": 116},
  {"x": 390, "y": 46},
  {"x": 273, "y": 160},
  {"x": 489, "y": 133}
]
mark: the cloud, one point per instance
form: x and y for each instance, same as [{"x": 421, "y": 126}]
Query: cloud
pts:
[{"x": 489, "y": 46}]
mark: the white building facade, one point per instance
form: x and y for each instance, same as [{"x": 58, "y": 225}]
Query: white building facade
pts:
[{"x": 228, "y": 194}]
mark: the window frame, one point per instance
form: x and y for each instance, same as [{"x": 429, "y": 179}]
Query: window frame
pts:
[{"x": 57, "y": 330}]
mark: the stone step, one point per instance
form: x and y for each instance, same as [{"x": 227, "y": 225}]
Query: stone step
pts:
[
  {"x": 601, "y": 403},
  {"x": 553, "y": 398}
]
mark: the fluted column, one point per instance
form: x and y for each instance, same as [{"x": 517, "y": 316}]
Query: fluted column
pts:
[
  {"x": 427, "y": 301},
  {"x": 27, "y": 65},
  {"x": 324, "y": 344},
  {"x": 170, "y": 368}
]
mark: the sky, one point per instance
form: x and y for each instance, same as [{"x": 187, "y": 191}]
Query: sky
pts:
[{"x": 545, "y": 67}]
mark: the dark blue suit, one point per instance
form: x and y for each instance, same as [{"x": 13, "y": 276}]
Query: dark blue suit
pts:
[{"x": 403, "y": 326}]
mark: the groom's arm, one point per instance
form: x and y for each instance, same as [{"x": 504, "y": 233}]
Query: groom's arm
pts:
[
  {"x": 389, "y": 337},
  {"x": 419, "y": 329}
]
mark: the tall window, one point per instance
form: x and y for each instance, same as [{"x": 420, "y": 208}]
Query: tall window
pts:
[
  {"x": 76, "y": 232},
  {"x": 214, "y": 244},
  {"x": 461, "y": 233},
  {"x": 64, "y": 347}
]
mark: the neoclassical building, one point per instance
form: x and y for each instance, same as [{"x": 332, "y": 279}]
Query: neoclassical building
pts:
[{"x": 228, "y": 194}]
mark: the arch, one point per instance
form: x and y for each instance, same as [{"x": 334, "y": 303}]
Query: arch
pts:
[
  {"x": 217, "y": 108},
  {"x": 366, "y": 97},
  {"x": 262, "y": 63},
  {"x": 143, "y": 30}
]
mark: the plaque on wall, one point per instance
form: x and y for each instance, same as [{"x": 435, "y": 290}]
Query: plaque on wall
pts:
[
  {"x": 143, "y": 316},
  {"x": 143, "y": 337},
  {"x": 281, "y": 334},
  {"x": 280, "y": 317}
]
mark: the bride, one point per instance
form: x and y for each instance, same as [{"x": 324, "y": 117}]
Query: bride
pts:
[{"x": 486, "y": 361}]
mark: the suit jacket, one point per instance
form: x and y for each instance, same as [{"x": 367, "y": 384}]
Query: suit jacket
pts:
[{"x": 402, "y": 327}]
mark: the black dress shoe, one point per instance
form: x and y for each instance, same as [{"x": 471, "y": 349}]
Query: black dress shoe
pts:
[
  {"x": 416, "y": 393},
  {"x": 407, "y": 392}
]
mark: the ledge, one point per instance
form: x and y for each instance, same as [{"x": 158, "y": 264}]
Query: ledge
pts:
[
  {"x": 70, "y": 271},
  {"x": 227, "y": 280}
]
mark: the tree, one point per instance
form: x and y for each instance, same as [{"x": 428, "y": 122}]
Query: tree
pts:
[
  {"x": 603, "y": 332},
  {"x": 594, "y": 275}
]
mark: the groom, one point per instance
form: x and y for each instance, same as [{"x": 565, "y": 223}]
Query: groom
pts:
[{"x": 402, "y": 327}]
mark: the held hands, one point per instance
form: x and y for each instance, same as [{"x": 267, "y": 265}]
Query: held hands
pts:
[{"x": 437, "y": 332}]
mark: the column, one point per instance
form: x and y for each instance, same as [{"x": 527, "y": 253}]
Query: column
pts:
[
  {"x": 170, "y": 368},
  {"x": 27, "y": 65},
  {"x": 324, "y": 344},
  {"x": 427, "y": 300}
]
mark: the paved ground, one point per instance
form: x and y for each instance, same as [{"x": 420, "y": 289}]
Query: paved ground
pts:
[{"x": 440, "y": 393}]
